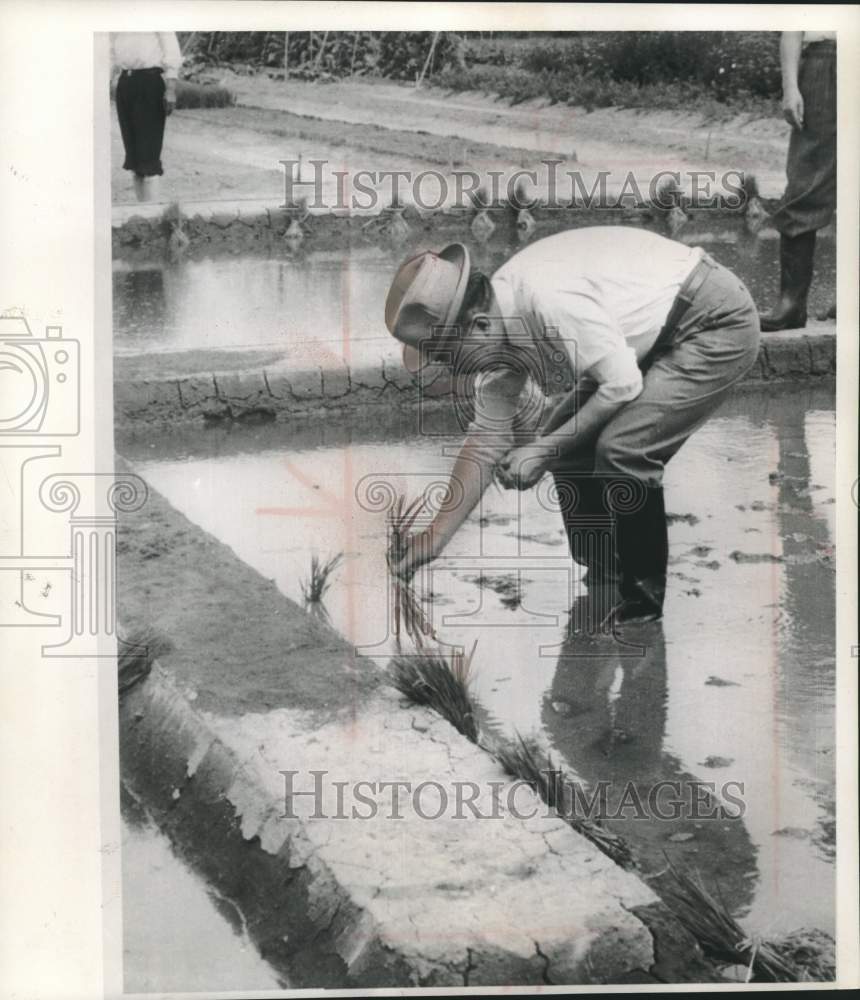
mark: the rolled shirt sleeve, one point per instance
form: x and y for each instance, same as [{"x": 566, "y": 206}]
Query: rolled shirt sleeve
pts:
[
  {"x": 593, "y": 338},
  {"x": 617, "y": 375},
  {"x": 171, "y": 54}
]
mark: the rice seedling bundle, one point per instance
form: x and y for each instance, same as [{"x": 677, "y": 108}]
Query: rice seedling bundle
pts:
[
  {"x": 720, "y": 936},
  {"x": 315, "y": 587},
  {"x": 441, "y": 682},
  {"x": 408, "y": 615},
  {"x": 550, "y": 784}
]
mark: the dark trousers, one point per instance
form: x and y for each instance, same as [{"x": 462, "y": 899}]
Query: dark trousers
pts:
[
  {"x": 810, "y": 195},
  {"x": 141, "y": 112}
]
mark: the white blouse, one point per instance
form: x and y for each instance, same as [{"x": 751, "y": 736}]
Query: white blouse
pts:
[{"x": 146, "y": 50}]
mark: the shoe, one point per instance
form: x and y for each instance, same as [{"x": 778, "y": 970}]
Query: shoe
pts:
[
  {"x": 642, "y": 544},
  {"x": 796, "y": 254}
]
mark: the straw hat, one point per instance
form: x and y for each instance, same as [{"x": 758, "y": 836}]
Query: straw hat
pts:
[{"x": 427, "y": 291}]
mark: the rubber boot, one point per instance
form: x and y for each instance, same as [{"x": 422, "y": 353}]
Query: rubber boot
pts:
[
  {"x": 600, "y": 564},
  {"x": 642, "y": 543},
  {"x": 796, "y": 254}
]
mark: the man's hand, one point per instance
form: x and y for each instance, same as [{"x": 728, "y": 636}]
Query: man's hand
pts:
[
  {"x": 792, "y": 107},
  {"x": 418, "y": 552},
  {"x": 522, "y": 467},
  {"x": 169, "y": 96}
]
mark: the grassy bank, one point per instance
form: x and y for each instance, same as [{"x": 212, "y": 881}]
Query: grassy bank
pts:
[{"x": 718, "y": 73}]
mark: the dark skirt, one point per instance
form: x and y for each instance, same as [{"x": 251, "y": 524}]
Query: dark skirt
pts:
[
  {"x": 810, "y": 195},
  {"x": 140, "y": 109}
]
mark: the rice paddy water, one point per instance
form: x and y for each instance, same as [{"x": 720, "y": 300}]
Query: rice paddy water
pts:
[
  {"x": 178, "y": 935},
  {"x": 737, "y": 685}
]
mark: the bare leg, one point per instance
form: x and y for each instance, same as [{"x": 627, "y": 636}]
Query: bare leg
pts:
[
  {"x": 151, "y": 188},
  {"x": 138, "y": 187}
]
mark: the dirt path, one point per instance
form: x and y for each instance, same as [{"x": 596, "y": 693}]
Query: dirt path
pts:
[
  {"x": 608, "y": 137},
  {"x": 234, "y": 153}
]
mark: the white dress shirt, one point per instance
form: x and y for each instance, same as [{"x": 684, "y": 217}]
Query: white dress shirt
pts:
[
  {"x": 145, "y": 50},
  {"x": 585, "y": 304}
]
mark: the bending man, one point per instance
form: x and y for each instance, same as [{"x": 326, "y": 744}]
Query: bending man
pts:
[{"x": 648, "y": 336}]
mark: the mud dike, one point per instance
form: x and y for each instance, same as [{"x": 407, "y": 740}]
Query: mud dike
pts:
[
  {"x": 335, "y": 902},
  {"x": 281, "y": 380}
]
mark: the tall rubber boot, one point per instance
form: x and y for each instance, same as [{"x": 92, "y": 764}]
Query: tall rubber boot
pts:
[
  {"x": 600, "y": 564},
  {"x": 796, "y": 254},
  {"x": 642, "y": 543}
]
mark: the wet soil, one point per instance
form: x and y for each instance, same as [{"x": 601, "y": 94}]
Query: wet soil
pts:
[
  {"x": 737, "y": 685},
  {"x": 161, "y": 561},
  {"x": 229, "y": 153}
]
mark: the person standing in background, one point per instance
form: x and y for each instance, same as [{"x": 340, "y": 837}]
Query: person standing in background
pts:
[
  {"x": 147, "y": 64},
  {"x": 808, "y": 61}
]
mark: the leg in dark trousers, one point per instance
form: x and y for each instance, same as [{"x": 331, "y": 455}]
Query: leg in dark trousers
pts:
[
  {"x": 622, "y": 479},
  {"x": 642, "y": 538},
  {"x": 716, "y": 343},
  {"x": 580, "y": 495},
  {"x": 810, "y": 195},
  {"x": 582, "y": 503}
]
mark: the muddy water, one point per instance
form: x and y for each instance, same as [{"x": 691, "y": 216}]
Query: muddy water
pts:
[
  {"x": 737, "y": 685},
  {"x": 320, "y": 307},
  {"x": 178, "y": 936}
]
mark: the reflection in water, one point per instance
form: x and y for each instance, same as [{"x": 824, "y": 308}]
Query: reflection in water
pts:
[
  {"x": 140, "y": 305},
  {"x": 736, "y": 686},
  {"x": 606, "y": 714},
  {"x": 320, "y": 314},
  {"x": 324, "y": 305},
  {"x": 806, "y": 657}
]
